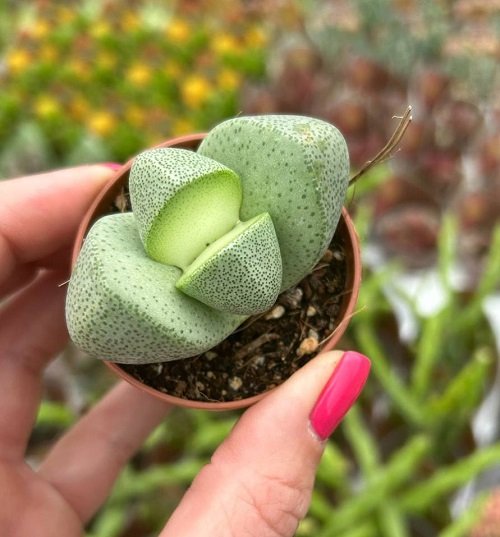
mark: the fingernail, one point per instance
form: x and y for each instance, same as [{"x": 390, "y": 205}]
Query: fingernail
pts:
[
  {"x": 112, "y": 165},
  {"x": 339, "y": 393}
]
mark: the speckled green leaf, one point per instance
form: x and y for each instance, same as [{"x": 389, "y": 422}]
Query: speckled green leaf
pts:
[
  {"x": 296, "y": 169},
  {"x": 123, "y": 306},
  {"x": 182, "y": 202},
  {"x": 243, "y": 274}
]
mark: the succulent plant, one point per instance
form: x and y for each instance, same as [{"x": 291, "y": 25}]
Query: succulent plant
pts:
[
  {"x": 124, "y": 306},
  {"x": 294, "y": 168},
  {"x": 214, "y": 236}
]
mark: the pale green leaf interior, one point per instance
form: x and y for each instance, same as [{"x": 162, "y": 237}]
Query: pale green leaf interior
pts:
[
  {"x": 240, "y": 273},
  {"x": 194, "y": 218},
  {"x": 220, "y": 243}
]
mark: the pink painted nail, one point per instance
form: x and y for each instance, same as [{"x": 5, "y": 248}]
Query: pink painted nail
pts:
[
  {"x": 339, "y": 393},
  {"x": 112, "y": 165}
]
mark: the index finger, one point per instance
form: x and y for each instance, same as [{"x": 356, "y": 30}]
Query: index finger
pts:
[{"x": 39, "y": 214}]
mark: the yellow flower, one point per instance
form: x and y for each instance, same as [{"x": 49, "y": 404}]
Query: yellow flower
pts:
[
  {"x": 46, "y": 106},
  {"x": 228, "y": 80},
  {"x": 224, "y": 43},
  {"x": 79, "y": 108},
  {"x": 182, "y": 126},
  {"x": 48, "y": 53},
  {"x": 40, "y": 29},
  {"x": 255, "y": 37},
  {"x": 101, "y": 123},
  {"x": 18, "y": 60},
  {"x": 178, "y": 30},
  {"x": 105, "y": 60},
  {"x": 79, "y": 68},
  {"x": 195, "y": 91},
  {"x": 172, "y": 69},
  {"x": 65, "y": 15},
  {"x": 135, "y": 116},
  {"x": 139, "y": 75},
  {"x": 100, "y": 29},
  {"x": 130, "y": 21},
  {"x": 153, "y": 138}
]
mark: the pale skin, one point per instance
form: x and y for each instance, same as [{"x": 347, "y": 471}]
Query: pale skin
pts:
[{"x": 259, "y": 481}]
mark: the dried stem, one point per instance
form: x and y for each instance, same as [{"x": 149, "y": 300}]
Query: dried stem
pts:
[
  {"x": 254, "y": 345},
  {"x": 388, "y": 148}
]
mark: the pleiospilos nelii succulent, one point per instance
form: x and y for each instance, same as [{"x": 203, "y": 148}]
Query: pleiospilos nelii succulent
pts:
[
  {"x": 213, "y": 237},
  {"x": 296, "y": 169}
]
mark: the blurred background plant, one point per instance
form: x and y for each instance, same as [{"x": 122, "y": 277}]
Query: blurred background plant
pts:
[
  {"x": 90, "y": 81},
  {"x": 100, "y": 80}
]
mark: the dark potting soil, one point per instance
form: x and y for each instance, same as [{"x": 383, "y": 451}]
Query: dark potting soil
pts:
[{"x": 266, "y": 349}]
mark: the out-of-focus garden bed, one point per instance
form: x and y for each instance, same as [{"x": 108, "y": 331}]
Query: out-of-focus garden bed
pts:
[{"x": 96, "y": 81}]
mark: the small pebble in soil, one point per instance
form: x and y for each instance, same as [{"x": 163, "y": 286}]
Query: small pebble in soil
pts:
[
  {"x": 313, "y": 334},
  {"x": 311, "y": 311},
  {"x": 307, "y": 346},
  {"x": 200, "y": 386},
  {"x": 338, "y": 255},
  {"x": 235, "y": 383},
  {"x": 292, "y": 297},
  {"x": 258, "y": 361},
  {"x": 276, "y": 313},
  {"x": 327, "y": 257},
  {"x": 158, "y": 368}
]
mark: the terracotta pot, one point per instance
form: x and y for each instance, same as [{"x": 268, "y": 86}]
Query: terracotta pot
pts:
[{"x": 103, "y": 205}]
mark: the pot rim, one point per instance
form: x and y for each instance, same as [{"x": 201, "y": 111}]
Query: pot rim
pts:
[{"x": 101, "y": 205}]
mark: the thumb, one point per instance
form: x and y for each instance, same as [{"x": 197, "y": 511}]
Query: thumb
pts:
[{"x": 259, "y": 481}]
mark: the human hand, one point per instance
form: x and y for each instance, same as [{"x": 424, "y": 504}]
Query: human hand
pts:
[{"x": 259, "y": 480}]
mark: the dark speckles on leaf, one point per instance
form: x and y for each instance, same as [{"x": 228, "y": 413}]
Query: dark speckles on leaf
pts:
[
  {"x": 141, "y": 308},
  {"x": 322, "y": 145}
]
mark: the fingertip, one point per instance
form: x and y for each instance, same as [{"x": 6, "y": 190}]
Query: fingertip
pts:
[
  {"x": 111, "y": 165},
  {"x": 272, "y": 452},
  {"x": 340, "y": 392},
  {"x": 320, "y": 393}
]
